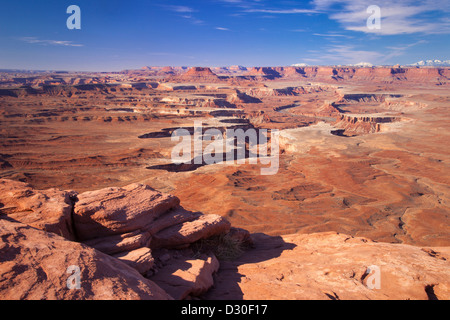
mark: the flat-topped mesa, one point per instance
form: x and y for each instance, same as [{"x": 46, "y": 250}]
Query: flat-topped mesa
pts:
[
  {"x": 270, "y": 92},
  {"x": 427, "y": 73},
  {"x": 377, "y": 74},
  {"x": 366, "y": 97},
  {"x": 199, "y": 72},
  {"x": 287, "y": 91},
  {"x": 402, "y": 74},
  {"x": 352, "y": 125},
  {"x": 276, "y": 72},
  {"x": 167, "y": 71},
  {"x": 288, "y": 72},
  {"x": 266, "y": 72},
  {"x": 197, "y": 75}
]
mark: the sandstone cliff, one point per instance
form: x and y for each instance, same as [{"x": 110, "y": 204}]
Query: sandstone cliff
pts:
[{"x": 378, "y": 74}]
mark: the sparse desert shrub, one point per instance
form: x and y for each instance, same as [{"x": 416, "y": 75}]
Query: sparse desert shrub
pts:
[{"x": 225, "y": 247}]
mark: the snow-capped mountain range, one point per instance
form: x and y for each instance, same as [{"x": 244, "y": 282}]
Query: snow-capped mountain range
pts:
[{"x": 432, "y": 63}]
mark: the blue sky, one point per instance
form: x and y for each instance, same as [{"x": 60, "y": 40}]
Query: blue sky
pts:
[{"x": 117, "y": 35}]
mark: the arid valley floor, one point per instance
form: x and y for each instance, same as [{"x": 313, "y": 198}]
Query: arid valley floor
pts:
[{"x": 363, "y": 156}]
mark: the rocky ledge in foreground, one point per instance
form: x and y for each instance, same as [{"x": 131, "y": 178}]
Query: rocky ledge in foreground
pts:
[
  {"x": 136, "y": 243},
  {"x": 128, "y": 243},
  {"x": 332, "y": 266}
]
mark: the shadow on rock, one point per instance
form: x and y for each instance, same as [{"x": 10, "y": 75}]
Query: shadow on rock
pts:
[{"x": 228, "y": 278}]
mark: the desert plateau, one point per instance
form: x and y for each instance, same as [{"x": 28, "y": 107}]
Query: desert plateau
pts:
[{"x": 363, "y": 179}]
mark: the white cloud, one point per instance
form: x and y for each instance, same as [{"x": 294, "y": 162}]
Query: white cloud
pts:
[
  {"x": 260, "y": 6},
  {"x": 282, "y": 11},
  {"x": 397, "y": 17},
  {"x": 222, "y": 29},
  {"x": 35, "y": 40},
  {"x": 351, "y": 55},
  {"x": 181, "y": 9},
  {"x": 192, "y": 19},
  {"x": 330, "y": 35},
  {"x": 186, "y": 13}
]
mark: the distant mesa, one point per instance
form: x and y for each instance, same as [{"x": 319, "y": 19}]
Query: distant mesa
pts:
[
  {"x": 237, "y": 68},
  {"x": 199, "y": 73},
  {"x": 292, "y": 71},
  {"x": 159, "y": 71},
  {"x": 167, "y": 70},
  {"x": 264, "y": 72}
]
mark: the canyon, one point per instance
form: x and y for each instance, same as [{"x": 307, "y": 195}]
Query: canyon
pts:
[{"x": 87, "y": 177}]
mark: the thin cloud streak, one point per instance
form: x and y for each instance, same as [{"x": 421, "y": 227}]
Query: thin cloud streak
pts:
[
  {"x": 286, "y": 11},
  {"x": 34, "y": 40}
]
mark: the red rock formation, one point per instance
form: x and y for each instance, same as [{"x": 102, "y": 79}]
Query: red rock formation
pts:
[
  {"x": 199, "y": 73},
  {"x": 34, "y": 264},
  {"x": 263, "y": 72},
  {"x": 424, "y": 73},
  {"x": 331, "y": 266},
  {"x": 184, "y": 276},
  {"x": 126, "y": 223},
  {"x": 191, "y": 231},
  {"x": 326, "y": 72},
  {"x": 329, "y": 109},
  {"x": 288, "y": 91},
  {"x": 49, "y": 210},
  {"x": 115, "y": 211},
  {"x": 292, "y": 72},
  {"x": 167, "y": 70},
  {"x": 378, "y": 74},
  {"x": 241, "y": 97},
  {"x": 356, "y": 125}
]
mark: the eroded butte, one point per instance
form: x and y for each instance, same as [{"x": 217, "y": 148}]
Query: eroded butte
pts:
[{"x": 363, "y": 151}]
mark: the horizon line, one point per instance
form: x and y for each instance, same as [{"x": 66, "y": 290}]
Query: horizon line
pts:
[{"x": 228, "y": 66}]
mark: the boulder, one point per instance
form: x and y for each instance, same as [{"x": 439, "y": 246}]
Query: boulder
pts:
[
  {"x": 173, "y": 217},
  {"x": 114, "y": 211},
  {"x": 183, "y": 234},
  {"x": 140, "y": 259},
  {"x": 37, "y": 265},
  {"x": 120, "y": 243},
  {"x": 48, "y": 210},
  {"x": 183, "y": 277}
]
